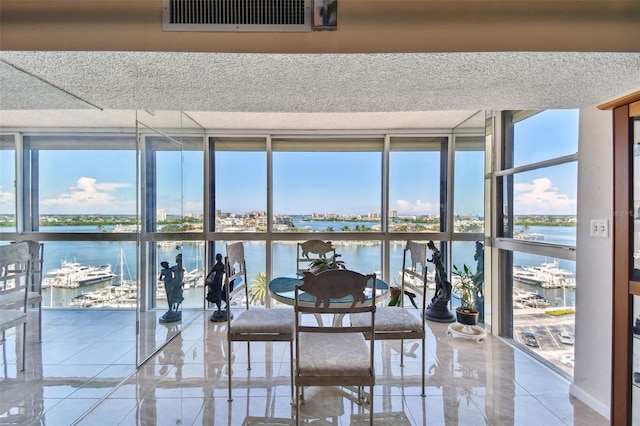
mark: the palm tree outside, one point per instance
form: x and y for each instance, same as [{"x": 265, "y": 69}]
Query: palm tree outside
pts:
[{"x": 258, "y": 289}]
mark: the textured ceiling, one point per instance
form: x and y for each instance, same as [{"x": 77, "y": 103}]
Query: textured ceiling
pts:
[{"x": 305, "y": 91}]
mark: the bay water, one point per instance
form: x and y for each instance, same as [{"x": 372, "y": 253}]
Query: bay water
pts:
[{"x": 360, "y": 256}]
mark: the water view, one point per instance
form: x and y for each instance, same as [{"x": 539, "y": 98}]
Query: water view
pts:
[{"x": 120, "y": 257}]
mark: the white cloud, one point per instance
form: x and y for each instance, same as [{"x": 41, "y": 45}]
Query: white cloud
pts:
[
  {"x": 88, "y": 196},
  {"x": 7, "y": 199},
  {"x": 417, "y": 207},
  {"x": 541, "y": 197},
  {"x": 194, "y": 207}
]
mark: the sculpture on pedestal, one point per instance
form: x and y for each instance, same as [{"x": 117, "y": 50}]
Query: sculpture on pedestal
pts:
[
  {"x": 173, "y": 283},
  {"x": 438, "y": 309},
  {"x": 216, "y": 292}
]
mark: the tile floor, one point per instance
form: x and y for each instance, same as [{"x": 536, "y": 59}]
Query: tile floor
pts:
[{"x": 83, "y": 373}]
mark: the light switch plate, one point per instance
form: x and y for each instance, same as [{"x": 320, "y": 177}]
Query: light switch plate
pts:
[{"x": 599, "y": 228}]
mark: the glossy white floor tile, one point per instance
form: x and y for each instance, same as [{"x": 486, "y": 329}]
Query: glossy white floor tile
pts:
[{"x": 84, "y": 373}]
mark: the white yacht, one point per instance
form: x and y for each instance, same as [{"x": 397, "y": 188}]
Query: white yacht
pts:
[
  {"x": 73, "y": 275},
  {"x": 546, "y": 275}
]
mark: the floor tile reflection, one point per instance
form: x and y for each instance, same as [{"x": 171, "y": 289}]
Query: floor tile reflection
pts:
[{"x": 83, "y": 374}]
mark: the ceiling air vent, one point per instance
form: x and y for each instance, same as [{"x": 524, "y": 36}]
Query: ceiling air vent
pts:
[{"x": 236, "y": 15}]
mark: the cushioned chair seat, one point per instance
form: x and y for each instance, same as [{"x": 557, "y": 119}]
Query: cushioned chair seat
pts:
[
  {"x": 10, "y": 318},
  {"x": 333, "y": 354},
  {"x": 264, "y": 321},
  {"x": 390, "y": 319},
  {"x": 15, "y": 299}
]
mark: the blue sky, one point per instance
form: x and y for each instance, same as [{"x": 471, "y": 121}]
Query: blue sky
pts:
[{"x": 318, "y": 182}]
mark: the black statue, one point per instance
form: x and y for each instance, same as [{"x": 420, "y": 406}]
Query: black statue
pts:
[
  {"x": 443, "y": 286},
  {"x": 478, "y": 280},
  {"x": 216, "y": 293},
  {"x": 438, "y": 309},
  {"x": 173, "y": 283}
]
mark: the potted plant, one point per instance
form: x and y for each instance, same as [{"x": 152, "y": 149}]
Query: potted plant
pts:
[
  {"x": 322, "y": 264},
  {"x": 465, "y": 287},
  {"x": 394, "y": 293}
]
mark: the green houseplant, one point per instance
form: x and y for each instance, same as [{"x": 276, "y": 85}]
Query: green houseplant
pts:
[
  {"x": 322, "y": 264},
  {"x": 395, "y": 297},
  {"x": 464, "y": 286}
]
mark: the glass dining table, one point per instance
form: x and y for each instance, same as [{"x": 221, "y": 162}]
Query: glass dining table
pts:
[{"x": 282, "y": 289}]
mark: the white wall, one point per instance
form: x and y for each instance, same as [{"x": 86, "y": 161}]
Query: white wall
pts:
[{"x": 594, "y": 294}]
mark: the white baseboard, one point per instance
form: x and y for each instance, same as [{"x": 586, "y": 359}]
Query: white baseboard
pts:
[{"x": 589, "y": 400}]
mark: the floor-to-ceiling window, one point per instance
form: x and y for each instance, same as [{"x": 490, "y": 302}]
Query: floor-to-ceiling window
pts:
[
  {"x": 537, "y": 195},
  {"x": 82, "y": 184},
  {"x": 274, "y": 191},
  {"x": 143, "y": 200},
  {"x": 328, "y": 188}
]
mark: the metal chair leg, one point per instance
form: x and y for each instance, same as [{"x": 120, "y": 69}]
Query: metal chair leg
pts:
[{"x": 229, "y": 369}]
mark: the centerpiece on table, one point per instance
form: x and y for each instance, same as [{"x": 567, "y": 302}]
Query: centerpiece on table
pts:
[{"x": 323, "y": 264}]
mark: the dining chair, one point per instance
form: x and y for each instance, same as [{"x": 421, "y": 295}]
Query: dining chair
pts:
[
  {"x": 336, "y": 355},
  {"x": 252, "y": 324},
  {"x": 15, "y": 277},
  {"x": 13, "y": 300},
  {"x": 397, "y": 322},
  {"x": 311, "y": 250}
]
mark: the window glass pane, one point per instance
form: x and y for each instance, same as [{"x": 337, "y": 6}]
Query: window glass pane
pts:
[
  {"x": 89, "y": 274},
  {"x": 396, "y": 252},
  {"x": 240, "y": 190},
  {"x": 193, "y": 275},
  {"x": 285, "y": 254},
  {"x": 361, "y": 256},
  {"x": 193, "y": 181},
  {"x": 469, "y": 186},
  {"x": 471, "y": 254},
  {"x": 545, "y": 135},
  {"x": 340, "y": 189},
  {"x": 544, "y": 294},
  {"x": 545, "y": 204},
  {"x": 7, "y": 185},
  {"x": 86, "y": 190},
  {"x": 255, "y": 257},
  {"x": 416, "y": 184},
  {"x": 169, "y": 190}
]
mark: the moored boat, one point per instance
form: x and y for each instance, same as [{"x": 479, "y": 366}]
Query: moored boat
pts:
[
  {"x": 546, "y": 275},
  {"x": 73, "y": 275}
]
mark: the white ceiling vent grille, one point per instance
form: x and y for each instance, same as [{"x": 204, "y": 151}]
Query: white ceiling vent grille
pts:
[{"x": 236, "y": 15}]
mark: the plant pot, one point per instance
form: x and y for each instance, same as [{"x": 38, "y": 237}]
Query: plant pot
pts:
[
  {"x": 393, "y": 292},
  {"x": 467, "y": 317}
]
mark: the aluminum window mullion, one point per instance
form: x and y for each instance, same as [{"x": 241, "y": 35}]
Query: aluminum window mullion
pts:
[
  {"x": 269, "y": 233},
  {"x": 385, "y": 252},
  {"x": 539, "y": 165},
  {"x": 537, "y": 248},
  {"x": 22, "y": 197}
]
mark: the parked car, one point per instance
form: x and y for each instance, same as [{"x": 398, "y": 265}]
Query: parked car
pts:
[
  {"x": 565, "y": 338},
  {"x": 567, "y": 359},
  {"x": 530, "y": 339}
]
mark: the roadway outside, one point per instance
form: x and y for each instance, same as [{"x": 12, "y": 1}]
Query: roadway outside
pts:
[{"x": 545, "y": 329}]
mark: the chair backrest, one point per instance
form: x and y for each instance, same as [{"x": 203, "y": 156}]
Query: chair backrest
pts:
[
  {"x": 15, "y": 269},
  {"x": 235, "y": 273},
  {"x": 414, "y": 270},
  {"x": 313, "y": 249},
  {"x": 36, "y": 250},
  {"x": 338, "y": 292}
]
